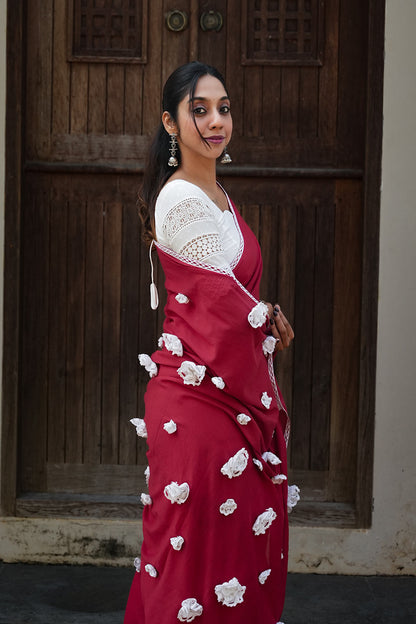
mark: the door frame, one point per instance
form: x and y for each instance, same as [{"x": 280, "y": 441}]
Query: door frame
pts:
[
  {"x": 15, "y": 96},
  {"x": 13, "y": 183}
]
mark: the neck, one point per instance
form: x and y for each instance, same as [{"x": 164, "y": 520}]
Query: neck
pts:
[
  {"x": 204, "y": 177},
  {"x": 202, "y": 174}
]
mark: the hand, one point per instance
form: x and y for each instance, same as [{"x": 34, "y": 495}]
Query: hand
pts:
[{"x": 280, "y": 327}]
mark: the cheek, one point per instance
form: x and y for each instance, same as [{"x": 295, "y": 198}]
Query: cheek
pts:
[{"x": 190, "y": 129}]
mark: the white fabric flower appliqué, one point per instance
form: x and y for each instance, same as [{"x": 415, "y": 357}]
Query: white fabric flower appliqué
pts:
[
  {"x": 177, "y": 542},
  {"x": 258, "y": 315},
  {"x": 146, "y": 361},
  {"x": 147, "y": 475},
  {"x": 270, "y": 457},
  {"x": 176, "y": 493},
  {"x": 151, "y": 570},
  {"x": 170, "y": 426},
  {"x": 269, "y": 345},
  {"x": 191, "y": 373},
  {"x": 236, "y": 465},
  {"x": 218, "y": 382},
  {"x": 293, "y": 496},
  {"x": 266, "y": 400},
  {"x": 230, "y": 593},
  {"x": 228, "y": 507},
  {"x": 189, "y": 610},
  {"x": 137, "y": 563},
  {"x": 146, "y": 499},
  {"x": 258, "y": 463},
  {"x": 279, "y": 478},
  {"x": 140, "y": 427},
  {"x": 172, "y": 344},
  {"x": 181, "y": 298},
  {"x": 263, "y": 576},
  {"x": 243, "y": 419},
  {"x": 263, "y": 521}
]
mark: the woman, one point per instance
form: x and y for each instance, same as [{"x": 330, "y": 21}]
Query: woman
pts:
[{"x": 215, "y": 517}]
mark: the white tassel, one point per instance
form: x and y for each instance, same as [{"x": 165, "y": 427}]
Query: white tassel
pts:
[{"x": 154, "y": 295}]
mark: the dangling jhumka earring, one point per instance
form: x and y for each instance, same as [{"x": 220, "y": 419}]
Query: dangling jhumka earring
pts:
[
  {"x": 173, "y": 161},
  {"x": 226, "y": 158}
]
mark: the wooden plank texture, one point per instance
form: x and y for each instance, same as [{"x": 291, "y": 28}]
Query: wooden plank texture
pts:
[
  {"x": 97, "y": 86},
  {"x": 39, "y": 78},
  {"x": 346, "y": 340},
  {"x": 352, "y": 81},
  {"x": 133, "y": 102},
  {"x": 322, "y": 334},
  {"x": 79, "y": 99},
  {"x": 34, "y": 319},
  {"x": 152, "y": 81},
  {"x": 78, "y": 506},
  {"x": 212, "y": 43},
  {"x": 271, "y": 104},
  {"x": 308, "y": 102},
  {"x": 111, "y": 332},
  {"x": 129, "y": 337},
  {"x": 286, "y": 268},
  {"x": 57, "y": 342},
  {"x": 253, "y": 96},
  {"x": 61, "y": 71},
  {"x": 115, "y": 99},
  {"x": 175, "y": 45},
  {"x": 328, "y": 74},
  {"x": 96, "y": 479},
  {"x": 303, "y": 321},
  {"x": 75, "y": 332},
  {"x": 93, "y": 357}
]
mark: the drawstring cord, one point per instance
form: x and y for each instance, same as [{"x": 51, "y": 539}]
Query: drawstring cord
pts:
[{"x": 154, "y": 295}]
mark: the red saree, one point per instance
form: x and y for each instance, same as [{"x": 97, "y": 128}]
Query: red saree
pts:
[{"x": 215, "y": 525}]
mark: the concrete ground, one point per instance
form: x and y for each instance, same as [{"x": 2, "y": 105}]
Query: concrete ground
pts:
[{"x": 38, "y": 594}]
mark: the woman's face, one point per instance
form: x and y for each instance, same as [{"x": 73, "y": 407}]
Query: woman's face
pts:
[{"x": 210, "y": 108}]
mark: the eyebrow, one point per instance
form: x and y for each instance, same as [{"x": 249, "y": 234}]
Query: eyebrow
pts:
[{"x": 204, "y": 99}]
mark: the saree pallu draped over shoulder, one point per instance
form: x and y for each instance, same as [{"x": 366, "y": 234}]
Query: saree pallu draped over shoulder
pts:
[{"x": 215, "y": 530}]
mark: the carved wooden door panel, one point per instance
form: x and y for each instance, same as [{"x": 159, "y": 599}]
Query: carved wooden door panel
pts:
[{"x": 94, "y": 73}]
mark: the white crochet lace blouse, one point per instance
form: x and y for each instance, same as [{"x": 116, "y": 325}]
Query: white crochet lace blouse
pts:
[{"x": 191, "y": 224}]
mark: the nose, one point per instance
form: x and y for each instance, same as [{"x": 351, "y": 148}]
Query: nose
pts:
[{"x": 216, "y": 120}]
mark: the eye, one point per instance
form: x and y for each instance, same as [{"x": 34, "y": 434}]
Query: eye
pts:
[
  {"x": 225, "y": 109},
  {"x": 199, "y": 110}
]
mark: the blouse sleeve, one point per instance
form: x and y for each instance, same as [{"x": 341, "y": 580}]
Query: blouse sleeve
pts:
[{"x": 188, "y": 227}]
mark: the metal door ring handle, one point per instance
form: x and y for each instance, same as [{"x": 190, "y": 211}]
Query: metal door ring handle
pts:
[
  {"x": 176, "y": 20},
  {"x": 211, "y": 20}
]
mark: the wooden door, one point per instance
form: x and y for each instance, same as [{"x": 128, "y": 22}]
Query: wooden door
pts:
[{"x": 297, "y": 76}]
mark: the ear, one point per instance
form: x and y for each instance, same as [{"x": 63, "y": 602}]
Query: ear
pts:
[{"x": 169, "y": 124}]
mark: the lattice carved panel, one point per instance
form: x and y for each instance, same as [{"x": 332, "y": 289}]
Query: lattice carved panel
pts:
[
  {"x": 107, "y": 30},
  {"x": 282, "y": 32}
]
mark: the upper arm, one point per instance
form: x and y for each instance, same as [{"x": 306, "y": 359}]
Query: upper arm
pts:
[{"x": 189, "y": 228}]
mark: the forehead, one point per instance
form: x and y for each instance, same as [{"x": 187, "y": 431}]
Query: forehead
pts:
[{"x": 210, "y": 88}]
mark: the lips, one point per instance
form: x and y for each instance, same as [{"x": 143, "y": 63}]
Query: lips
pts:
[{"x": 215, "y": 139}]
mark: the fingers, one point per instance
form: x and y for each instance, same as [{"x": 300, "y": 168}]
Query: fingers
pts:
[
  {"x": 282, "y": 321},
  {"x": 281, "y": 329},
  {"x": 275, "y": 333}
]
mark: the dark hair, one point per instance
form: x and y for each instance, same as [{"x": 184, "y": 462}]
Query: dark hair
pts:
[{"x": 181, "y": 82}]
